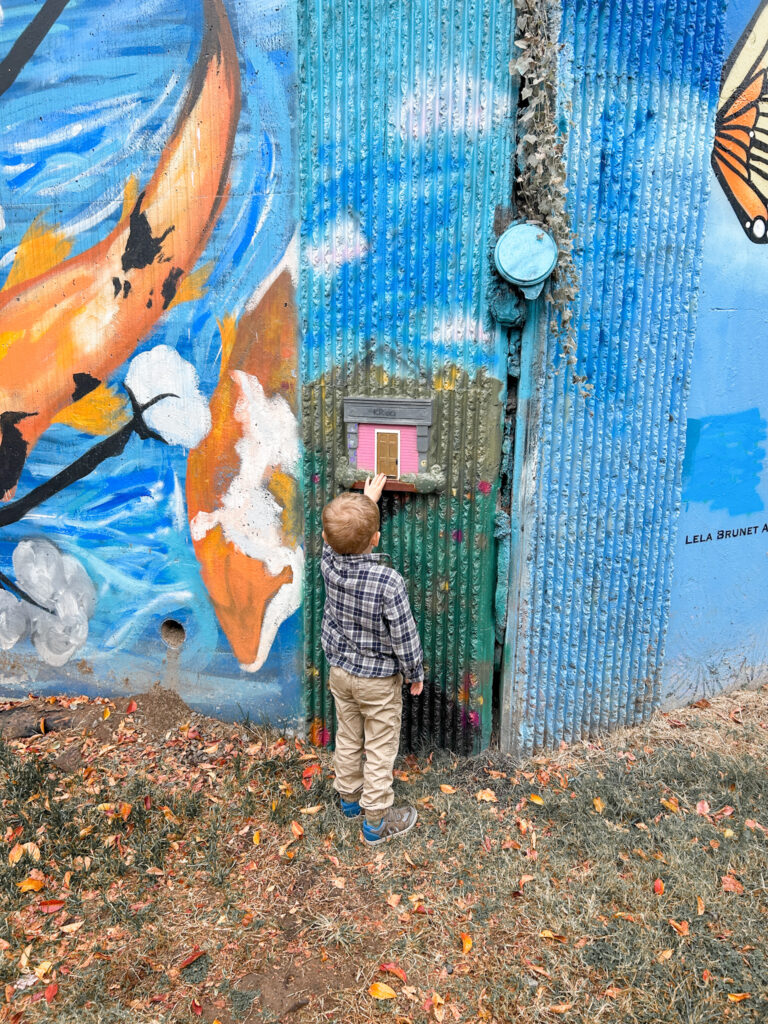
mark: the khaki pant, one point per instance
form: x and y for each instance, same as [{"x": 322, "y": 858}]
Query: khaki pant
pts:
[{"x": 368, "y": 715}]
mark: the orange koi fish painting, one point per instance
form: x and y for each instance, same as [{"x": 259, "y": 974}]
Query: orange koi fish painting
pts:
[
  {"x": 242, "y": 494},
  {"x": 65, "y": 328}
]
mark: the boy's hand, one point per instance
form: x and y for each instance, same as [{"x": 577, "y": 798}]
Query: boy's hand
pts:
[
  {"x": 374, "y": 487},
  {"x": 416, "y": 688}
]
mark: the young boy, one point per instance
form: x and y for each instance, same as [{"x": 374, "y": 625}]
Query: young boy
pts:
[{"x": 371, "y": 643}]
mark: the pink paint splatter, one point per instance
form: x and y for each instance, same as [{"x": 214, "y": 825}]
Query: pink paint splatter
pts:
[
  {"x": 458, "y": 536},
  {"x": 484, "y": 487},
  {"x": 316, "y": 478}
]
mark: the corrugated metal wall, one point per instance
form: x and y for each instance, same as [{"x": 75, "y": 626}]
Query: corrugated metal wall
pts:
[
  {"x": 406, "y": 153},
  {"x": 599, "y": 492}
]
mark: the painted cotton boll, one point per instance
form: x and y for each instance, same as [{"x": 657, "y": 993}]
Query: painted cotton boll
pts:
[
  {"x": 13, "y": 621},
  {"x": 183, "y": 418},
  {"x": 60, "y": 583}
]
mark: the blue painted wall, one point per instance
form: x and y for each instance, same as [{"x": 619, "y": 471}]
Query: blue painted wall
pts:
[
  {"x": 599, "y": 475},
  {"x": 406, "y": 167},
  {"x": 718, "y": 628},
  {"x": 95, "y": 105}
]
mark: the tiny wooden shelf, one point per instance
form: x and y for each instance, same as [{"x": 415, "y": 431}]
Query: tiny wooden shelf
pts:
[{"x": 390, "y": 485}]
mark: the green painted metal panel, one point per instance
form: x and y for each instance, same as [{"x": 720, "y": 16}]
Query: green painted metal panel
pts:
[{"x": 406, "y": 169}]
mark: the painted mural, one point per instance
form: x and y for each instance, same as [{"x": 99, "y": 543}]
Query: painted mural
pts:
[
  {"x": 149, "y": 446},
  {"x": 718, "y": 634}
]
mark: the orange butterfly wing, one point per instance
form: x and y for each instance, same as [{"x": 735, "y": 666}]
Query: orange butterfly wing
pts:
[{"x": 740, "y": 151}]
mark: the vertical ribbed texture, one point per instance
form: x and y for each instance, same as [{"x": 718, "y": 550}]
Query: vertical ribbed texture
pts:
[
  {"x": 405, "y": 154},
  {"x": 604, "y": 480}
]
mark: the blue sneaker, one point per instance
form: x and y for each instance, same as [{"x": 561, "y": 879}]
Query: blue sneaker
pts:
[
  {"x": 350, "y": 808},
  {"x": 395, "y": 821}
]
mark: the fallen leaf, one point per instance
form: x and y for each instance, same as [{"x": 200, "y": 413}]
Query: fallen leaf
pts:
[
  {"x": 256, "y": 837},
  {"x": 663, "y": 955},
  {"x": 537, "y": 970},
  {"x": 394, "y": 969},
  {"x": 598, "y": 804},
  {"x": 560, "y": 1008},
  {"x": 548, "y": 934},
  {"x": 297, "y": 830},
  {"x": 731, "y": 884},
  {"x": 724, "y": 812},
  {"x": 31, "y": 885},
  {"x": 447, "y": 789},
  {"x": 681, "y": 927},
  {"x": 132, "y": 706},
  {"x": 526, "y": 878},
  {"x": 307, "y": 774},
  {"x": 105, "y": 714},
  {"x": 658, "y": 887},
  {"x": 17, "y": 852},
  {"x": 671, "y": 804},
  {"x": 50, "y": 906},
  {"x": 311, "y": 810},
  {"x": 124, "y": 810},
  {"x": 394, "y": 898},
  {"x": 486, "y": 795},
  {"x": 190, "y": 959},
  {"x": 535, "y": 799},
  {"x": 72, "y": 927},
  {"x": 196, "y": 1008},
  {"x": 337, "y": 882},
  {"x": 381, "y": 991},
  {"x": 699, "y": 905},
  {"x": 466, "y": 942},
  {"x": 50, "y": 992},
  {"x": 702, "y": 807},
  {"x": 738, "y": 997}
]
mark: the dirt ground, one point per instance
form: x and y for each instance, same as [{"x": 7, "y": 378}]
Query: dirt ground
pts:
[{"x": 160, "y": 866}]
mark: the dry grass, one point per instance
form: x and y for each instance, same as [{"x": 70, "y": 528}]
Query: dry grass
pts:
[{"x": 552, "y": 880}]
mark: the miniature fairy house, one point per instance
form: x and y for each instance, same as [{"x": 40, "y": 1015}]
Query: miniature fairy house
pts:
[{"x": 390, "y": 436}]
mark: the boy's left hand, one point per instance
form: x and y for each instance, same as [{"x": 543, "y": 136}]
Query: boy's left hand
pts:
[
  {"x": 416, "y": 688},
  {"x": 374, "y": 487}
]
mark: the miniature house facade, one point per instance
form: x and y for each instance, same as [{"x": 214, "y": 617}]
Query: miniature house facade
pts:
[{"x": 389, "y": 436}]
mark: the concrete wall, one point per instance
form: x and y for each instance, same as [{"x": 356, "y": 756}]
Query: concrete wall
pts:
[{"x": 147, "y": 218}]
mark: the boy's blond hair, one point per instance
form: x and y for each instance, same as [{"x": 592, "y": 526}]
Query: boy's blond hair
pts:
[{"x": 350, "y": 522}]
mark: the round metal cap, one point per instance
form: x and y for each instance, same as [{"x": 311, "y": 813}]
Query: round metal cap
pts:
[{"x": 525, "y": 254}]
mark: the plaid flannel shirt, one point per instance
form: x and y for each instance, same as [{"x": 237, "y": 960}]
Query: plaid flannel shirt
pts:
[{"x": 368, "y": 627}]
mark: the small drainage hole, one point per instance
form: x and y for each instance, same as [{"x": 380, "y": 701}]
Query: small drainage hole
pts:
[{"x": 173, "y": 633}]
